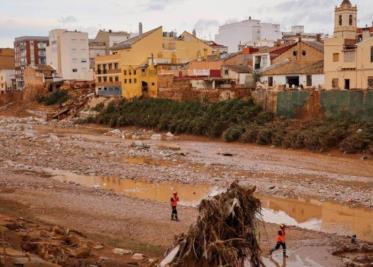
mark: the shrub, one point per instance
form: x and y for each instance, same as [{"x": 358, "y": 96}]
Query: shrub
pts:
[
  {"x": 233, "y": 133},
  {"x": 99, "y": 107},
  {"x": 55, "y": 98},
  {"x": 264, "y": 136},
  {"x": 251, "y": 134},
  {"x": 353, "y": 144}
]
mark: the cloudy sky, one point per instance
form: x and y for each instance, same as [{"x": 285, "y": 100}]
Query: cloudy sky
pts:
[{"x": 37, "y": 17}]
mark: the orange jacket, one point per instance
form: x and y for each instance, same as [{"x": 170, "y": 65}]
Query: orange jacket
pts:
[
  {"x": 174, "y": 201},
  {"x": 281, "y": 239}
]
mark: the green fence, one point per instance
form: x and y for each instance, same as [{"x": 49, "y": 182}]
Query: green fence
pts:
[
  {"x": 289, "y": 104},
  {"x": 332, "y": 103}
]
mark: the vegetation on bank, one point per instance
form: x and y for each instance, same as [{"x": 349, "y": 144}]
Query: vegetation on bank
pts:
[
  {"x": 54, "y": 98},
  {"x": 238, "y": 120}
]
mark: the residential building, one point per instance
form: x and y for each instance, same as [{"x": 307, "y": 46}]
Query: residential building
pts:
[
  {"x": 349, "y": 53},
  {"x": 265, "y": 56},
  {"x": 100, "y": 46},
  {"x": 297, "y": 65},
  {"x": 68, "y": 54},
  {"x": 217, "y": 49},
  {"x": 248, "y": 32},
  {"x": 139, "y": 57},
  {"x": 7, "y": 72},
  {"x": 298, "y": 32},
  {"x": 29, "y": 51},
  {"x": 241, "y": 75}
]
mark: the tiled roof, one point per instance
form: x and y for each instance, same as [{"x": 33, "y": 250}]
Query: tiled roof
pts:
[
  {"x": 239, "y": 68},
  {"x": 128, "y": 43},
  {"x": 293, "y": 67}
]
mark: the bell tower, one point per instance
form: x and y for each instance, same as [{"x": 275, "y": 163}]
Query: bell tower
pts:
[{"x": 345, "y": 22}]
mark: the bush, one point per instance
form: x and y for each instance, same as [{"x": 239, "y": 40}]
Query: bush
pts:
[
  {"x": 354, "y": 144},
  {"x": 233, "y": 133},
  {"x": 99, "y": 107},
  {"x": 264, "y": 136},
  {"x": 55, "y": 98},
  {"x": 251, "y": 134}
]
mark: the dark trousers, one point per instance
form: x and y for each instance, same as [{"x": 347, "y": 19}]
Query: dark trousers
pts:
[
  {"x": 174, "y": 214},
  {"x": 278, "y": 245}
]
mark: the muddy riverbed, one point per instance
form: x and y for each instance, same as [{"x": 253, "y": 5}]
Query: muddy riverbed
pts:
[{"x": 115, "y": 186}]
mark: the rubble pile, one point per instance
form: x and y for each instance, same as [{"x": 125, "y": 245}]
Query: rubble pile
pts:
[
  {"x": 355, "y": 255},
  {"x": 33, "y": 244},
  {"x": 224, "y": 234},
  {"x": 78, "y": 99}
]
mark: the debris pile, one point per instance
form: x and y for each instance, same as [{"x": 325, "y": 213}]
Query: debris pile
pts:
[
  {"x": 224, "y": 234},
  {"x": 354, "y": 255}
]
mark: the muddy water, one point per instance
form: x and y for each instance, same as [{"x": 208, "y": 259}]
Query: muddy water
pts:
[{"x": 304, "y": 213}]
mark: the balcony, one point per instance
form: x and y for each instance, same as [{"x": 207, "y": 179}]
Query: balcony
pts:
[
  {"x": 114, "y": 71},
  {"x": 108, "y": 84}
]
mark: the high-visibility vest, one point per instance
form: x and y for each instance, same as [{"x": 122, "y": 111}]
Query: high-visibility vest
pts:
[{"x": 174, "y": 201}]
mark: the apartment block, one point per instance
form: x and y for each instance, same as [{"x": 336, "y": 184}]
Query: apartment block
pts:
[
  {"x": 29, "y": 51},
  {"x": 249, "y": 32},
  {"x": 68, "y": 54}
]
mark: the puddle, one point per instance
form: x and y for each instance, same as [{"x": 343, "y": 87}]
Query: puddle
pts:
[
  {"x": 305, "y": 213},
  {"x": 190, "y": 195},
  {"x": 321, "y": 216}
]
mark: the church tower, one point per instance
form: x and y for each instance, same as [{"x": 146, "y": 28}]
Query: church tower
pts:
[{"x": 345, "y": 22}]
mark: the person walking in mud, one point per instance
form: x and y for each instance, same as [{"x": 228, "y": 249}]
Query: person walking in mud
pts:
[
  {"x": 174, "y": 202},
  {"x": 281, "y": 241}
]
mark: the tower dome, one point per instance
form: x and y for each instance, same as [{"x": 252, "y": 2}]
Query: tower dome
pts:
[{"x": 346, "y": 3}]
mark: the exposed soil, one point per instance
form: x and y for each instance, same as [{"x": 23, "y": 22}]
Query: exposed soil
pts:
[{"x": 32, "y": 151}]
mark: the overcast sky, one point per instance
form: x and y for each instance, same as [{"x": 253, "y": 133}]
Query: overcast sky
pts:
[{"x": 37, "y": 17}]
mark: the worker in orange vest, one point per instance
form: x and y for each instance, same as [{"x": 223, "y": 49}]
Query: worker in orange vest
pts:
[
  {"x": 281, "y": 241},
  {"x": 174, "y": 201}
]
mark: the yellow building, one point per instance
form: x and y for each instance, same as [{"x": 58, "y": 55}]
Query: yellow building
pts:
[
  {"x": 348, "y": 59},
  {"x": 138, "y": 57}
]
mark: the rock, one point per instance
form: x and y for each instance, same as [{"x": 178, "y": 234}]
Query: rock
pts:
[
  {"x": 156, "y": 137},
  {"x": 140, "y": 144},
  {"x": 364, "y": 158},
  {"x": 120, "y": 251},
  {"x": 227, "y": 154},
  {"x": 138, "y": 256},
  {"x": 115, "y": 132},
  {"x": 359, "y": 131},
  {"x": 272, "y": 187},
  {"x": 170, "y": 135},
  {"x": 53, "y": 138}
]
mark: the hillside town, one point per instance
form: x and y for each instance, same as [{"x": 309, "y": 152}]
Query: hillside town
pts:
[{"x": 257, "y": 143}]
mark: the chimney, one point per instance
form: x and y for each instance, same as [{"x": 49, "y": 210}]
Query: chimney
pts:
[
  {"x": 366, "y": 33},
  {"x": 140, "y": 28},
  {"x": 194, "y": 33}
]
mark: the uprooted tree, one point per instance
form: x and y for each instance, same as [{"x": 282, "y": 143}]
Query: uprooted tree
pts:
[{"x": 224, "y": 234}]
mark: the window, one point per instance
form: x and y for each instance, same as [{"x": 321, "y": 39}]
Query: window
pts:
[
  {"x": 125, "y": 80},
  {"x": 153, "y": 84},
  {"x": 335, "y": 57},
  {"x": 143, "y": 70},
  {"x": 370, "y": 82},
  {"x": 295, "y": 53},
  {"x": 84, "y": 61},
  {"x": 111, "y": 79},
  {"x": 134, "y": 72},
  {"x": 335, "y": 83},
  {"x": 270, "y": 81},
  {"x": 350, "y": 20},
  {"x": 116, "y": 78},
  {"x": 340, "y": 20},
  {"x": 110, "y": 66},
  {"x": 75, "y": 70},
  {"x": 105, "y": 79},
  {"x": 116, "y": 66},
  {"x": 226, "y": 72},
  {"x": 371, "y": 54},
  {"x": 347, "y": 84},
  {"x": 304, "y": 53},
  {"x": 134, "y": 80},
  {"x": 309, "y": 80},
  {"x": 99, "y": 79},
  {"x": 125, "y": 72},
  {"x": 130, "y": 80},
  {"x": 129, "y": 72}
]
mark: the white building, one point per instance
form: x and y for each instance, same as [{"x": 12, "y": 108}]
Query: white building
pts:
[
  {"x": 68, "y": 54},
  {"x": 6, "y": 78},
  {"x": 248, "y": 32}
]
